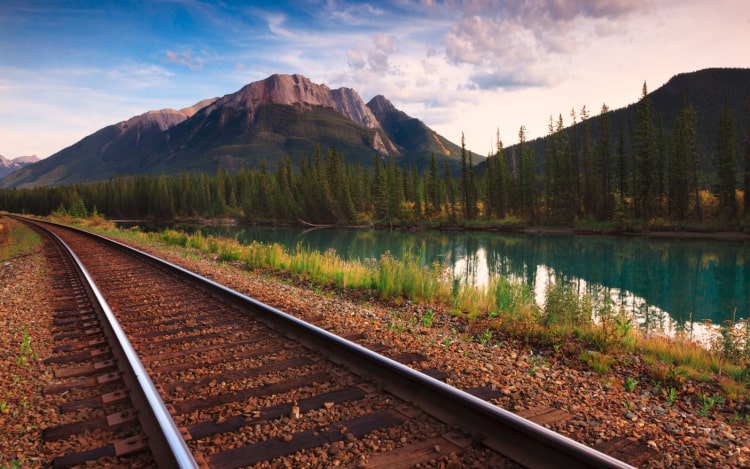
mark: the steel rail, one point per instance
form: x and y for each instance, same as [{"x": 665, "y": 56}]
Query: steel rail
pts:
[
  {"x": 519, "y": 439},
  {"x": 167, "y": 444}
]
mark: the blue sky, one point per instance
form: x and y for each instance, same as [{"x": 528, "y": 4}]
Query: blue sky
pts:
[{"x": 69, "y": 68}]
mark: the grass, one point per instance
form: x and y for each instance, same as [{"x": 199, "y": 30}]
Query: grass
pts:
[
  {"x": 16, "y": 239},
  {"x": 26, "y": 353},
  {"x": 630, "y": 384},
  {"x": 597, "y": 361},
  {"x": 389, "y": 277}
]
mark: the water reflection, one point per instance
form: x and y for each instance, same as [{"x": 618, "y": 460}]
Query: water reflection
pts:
[{"x": 666, "y": 283}]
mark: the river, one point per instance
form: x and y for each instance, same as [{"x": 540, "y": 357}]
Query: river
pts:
[{"x": 669, "y": 284}]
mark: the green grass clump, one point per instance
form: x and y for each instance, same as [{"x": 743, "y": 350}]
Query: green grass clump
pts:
[
  {"x": 388, "y": 277},
  {"x": 16, "y": 239},
  {"x": 598, "y": 362}
]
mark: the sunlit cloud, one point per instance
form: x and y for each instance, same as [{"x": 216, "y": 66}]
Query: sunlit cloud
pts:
[{"x": 511, "y": 39}]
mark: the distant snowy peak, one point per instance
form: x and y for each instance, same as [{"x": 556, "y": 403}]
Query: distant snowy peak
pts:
[
  {"x": 26, "y": 159},
  {"x": 8, "y": 166}
]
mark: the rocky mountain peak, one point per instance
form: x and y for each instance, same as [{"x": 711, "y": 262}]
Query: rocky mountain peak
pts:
[
  {"x": 381, "y": 106},
  {"x": 298, "y": 90}
]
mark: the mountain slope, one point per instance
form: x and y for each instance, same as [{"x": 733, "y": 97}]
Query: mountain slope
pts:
[
  {"x": 102, "y": 154},
  {"x": 412, "y": 136},
  {"x": 706, "y": 90},
  {"x": 265, "y": 120}
]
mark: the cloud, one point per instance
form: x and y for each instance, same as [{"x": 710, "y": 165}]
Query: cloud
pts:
[
  {"x": 522, "y": 77},
  {"x": 185, "y": 58},
  {"x": 375, "y": 58},
  {"x": 352, "y": 14},
  {"x": 510, "y": 38}
]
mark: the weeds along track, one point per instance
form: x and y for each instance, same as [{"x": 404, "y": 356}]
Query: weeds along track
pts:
[{"x": 247, "y": 385}]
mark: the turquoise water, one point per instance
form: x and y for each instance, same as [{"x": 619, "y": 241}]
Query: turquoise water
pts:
[{"x": 665, "y": 282}]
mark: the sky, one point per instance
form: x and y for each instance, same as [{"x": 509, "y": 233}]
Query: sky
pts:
[{"x": 474, "y": 68}]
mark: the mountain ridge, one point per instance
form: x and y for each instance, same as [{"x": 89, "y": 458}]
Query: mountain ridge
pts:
[{"x": 283, "y": 115}]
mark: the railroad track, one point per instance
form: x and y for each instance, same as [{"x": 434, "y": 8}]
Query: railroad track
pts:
[{"x": 221, "y": 380}]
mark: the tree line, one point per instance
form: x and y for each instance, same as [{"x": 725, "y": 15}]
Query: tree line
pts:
[{"x": 585, "y": 173}]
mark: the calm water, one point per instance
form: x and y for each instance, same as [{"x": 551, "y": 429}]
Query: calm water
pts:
[{"x": 665, "y": 282}]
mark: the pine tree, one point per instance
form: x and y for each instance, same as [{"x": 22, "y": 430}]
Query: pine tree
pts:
[
  {"x": 527, "y": 179},
  {"x": 341, "y": 206},
  {"x": 682, "y": 162},
  {"x": 660, "y": 167},
  {"x": 466, "y": 183},
  {"x": 602, "y": 172},
  {"x": 450, "y": 191},
  {"x": 560, "y": 175},
  {"x": 550, "y": 167},
  {"x": 432, "y": 187},
  {"x": 590, "y": 188},
  {"x": 725, "y": 163},
  {"x": 381, "y": 189},
  {"x": 574, "y": 167},
  {"x": 746, "y": 198},
  {"x": 621, "y": 165},
  {"x": 502, "y": 184},
  {"x": 645, "y": 154}
]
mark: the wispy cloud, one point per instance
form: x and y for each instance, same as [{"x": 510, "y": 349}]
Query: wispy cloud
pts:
[{"x": 187, "y": 59}]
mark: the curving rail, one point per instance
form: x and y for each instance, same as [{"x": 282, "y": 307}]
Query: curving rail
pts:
[
  {"x": 519, "y": 439},
  {"x": 168, "y": 445}
]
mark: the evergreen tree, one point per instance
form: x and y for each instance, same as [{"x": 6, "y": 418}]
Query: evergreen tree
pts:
[
  {"x": 450, "y": 191},
  {"x": 725, "y": 163},
  {"x": 163, "y": 208},
  {"x": 527, "y": 177},
  {"x": 660, "y": 167},
  {"x": 286, "y": 205},
  {"x": 550, "y": 166},
  {"x": 590, "y": 188},
  {"x": 395, "y": 192},
  {"x": 342, "y": 205},
  {"x": 602, "y": 172},
  {"x": 502, "y": 187},
  {"x": 419, "y": 198},
  {"x": 560, "y": 174},
  {"x": 621, "y": 161},
  {"x": 468, "y": 187},
  {"x": 432, "y": 187},
  {"x": 574, "y": 166},
  {"x": 746, "y": 198},
  {"x": 682, "y": 163},
  {"x": 381, "y": 195},
  {"x": 645, "y": 154}
]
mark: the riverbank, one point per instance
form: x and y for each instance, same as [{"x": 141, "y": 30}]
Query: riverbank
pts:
[
  {"x": 675, "y": 232},
  {"x": 677, "y": 422}
]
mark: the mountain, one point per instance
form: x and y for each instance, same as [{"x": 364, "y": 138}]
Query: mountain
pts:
[
  {"x": 411, "y": 135},
  {"x": 8, "y": 166},
  {"x": 264, "y": 121},
  {"x": 706, "y": 90}
]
